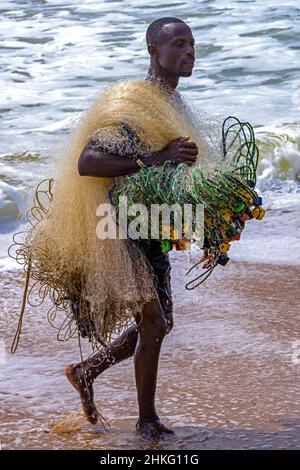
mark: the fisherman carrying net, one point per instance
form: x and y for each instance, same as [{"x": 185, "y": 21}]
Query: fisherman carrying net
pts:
[{"x": 142, "y": 140}]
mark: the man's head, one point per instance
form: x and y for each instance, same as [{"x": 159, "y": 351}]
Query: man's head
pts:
[{"x": 170, "y": 44}]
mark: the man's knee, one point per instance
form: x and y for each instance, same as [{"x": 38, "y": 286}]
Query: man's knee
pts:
[
  {"x": 154, "y": 321},
  {"x": 160, "y": 326}
]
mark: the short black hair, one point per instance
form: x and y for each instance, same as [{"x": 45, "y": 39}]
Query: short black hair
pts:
[{"x": 154, "y": 31}]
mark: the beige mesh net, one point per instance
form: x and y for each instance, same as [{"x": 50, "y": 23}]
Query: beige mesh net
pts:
[{"x": 109, "y": 280}]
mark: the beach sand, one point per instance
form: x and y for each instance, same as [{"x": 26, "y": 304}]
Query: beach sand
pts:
[{"x": 229, "y": 371}]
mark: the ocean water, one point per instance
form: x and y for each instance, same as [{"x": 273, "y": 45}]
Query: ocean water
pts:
[
  {"x": 227, "y": 377},
  {"x": 56, "y": 55}
]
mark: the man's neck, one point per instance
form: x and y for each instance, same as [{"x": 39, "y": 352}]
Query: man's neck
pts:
[
  {"x": 160, "y": 75},
  {"x": 162, "y": 82}
]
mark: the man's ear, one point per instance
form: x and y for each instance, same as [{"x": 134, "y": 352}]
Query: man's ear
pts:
[{"x": 152, "y": 49}]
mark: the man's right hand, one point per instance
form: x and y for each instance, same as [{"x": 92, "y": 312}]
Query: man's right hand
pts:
[{"x": 180, "y": 150}]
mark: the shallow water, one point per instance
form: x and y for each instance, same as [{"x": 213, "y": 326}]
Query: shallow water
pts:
[
  {"x": 234, "y": 345},
  {"x": 229, "y": 371}
]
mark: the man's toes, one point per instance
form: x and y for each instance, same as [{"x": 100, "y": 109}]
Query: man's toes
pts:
[
  {"x": 93, "y": 418},
  {"x": 165, "y": 430},
  {"x": 89, "y": 409},
  {"x": 152, "y": 429}
]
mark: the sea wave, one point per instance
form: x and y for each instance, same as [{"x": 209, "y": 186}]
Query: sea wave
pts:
[{"x": 279, "y": 162}]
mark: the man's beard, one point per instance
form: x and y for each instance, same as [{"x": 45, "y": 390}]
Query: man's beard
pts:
[
  {"x": 177, "y": 74},
  {"x": 185, "y": 74}
]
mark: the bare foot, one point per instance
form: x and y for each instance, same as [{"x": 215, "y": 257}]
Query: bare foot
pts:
[
  {"x": 152, "y": 429},
  {"x": 74, "y": 374}
]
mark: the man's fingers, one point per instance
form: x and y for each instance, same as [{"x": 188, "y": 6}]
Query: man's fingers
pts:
[
  {"x": 208, "y": 264},
  {"x": 189, "y": 144},
  {"x": 189, "y": 151},
  {"x": 182, "y": 138},
  {"x": 208, "y": 261},
  {"x": 187, "y": 158}
]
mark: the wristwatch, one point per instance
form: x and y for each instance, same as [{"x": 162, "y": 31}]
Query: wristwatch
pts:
[{"x": 140, "y": 163}]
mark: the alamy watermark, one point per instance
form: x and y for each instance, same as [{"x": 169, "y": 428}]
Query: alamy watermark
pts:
[{"x": 156, "y": 221}]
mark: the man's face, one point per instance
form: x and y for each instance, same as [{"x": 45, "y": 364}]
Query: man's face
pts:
[{"x": 175, "y": 50}]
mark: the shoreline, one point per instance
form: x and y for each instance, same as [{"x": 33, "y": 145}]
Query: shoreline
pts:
[{"x": 226, "y": 377}]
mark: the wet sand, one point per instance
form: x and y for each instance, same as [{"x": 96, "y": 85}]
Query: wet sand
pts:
[{"x": 229, "y": 374}]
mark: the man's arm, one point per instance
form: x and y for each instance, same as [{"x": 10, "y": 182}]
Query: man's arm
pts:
[{"x": 97, "y": 163}]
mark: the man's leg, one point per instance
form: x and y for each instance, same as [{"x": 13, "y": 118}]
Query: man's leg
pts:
[
  {"x": 121, "y": 349},
  {"x": 151, "y": 331},
  {"x": 125, "y": 347}
]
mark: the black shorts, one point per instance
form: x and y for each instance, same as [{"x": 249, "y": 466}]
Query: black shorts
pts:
[
  {"x": 162, "y": 271},
  {"x": 162, "y": 281}
]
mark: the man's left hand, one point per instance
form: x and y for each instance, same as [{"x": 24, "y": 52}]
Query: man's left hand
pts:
[{"x": 208, "y": 260}]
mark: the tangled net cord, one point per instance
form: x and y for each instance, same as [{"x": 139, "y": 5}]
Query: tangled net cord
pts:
[
  {"x": 34, "y": 215},
  {"x": 56, "y": 294},
  {"x": 38, "y": 272},
  {"x": 46, "y": 284}
]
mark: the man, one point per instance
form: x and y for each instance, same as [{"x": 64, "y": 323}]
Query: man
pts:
[{"x": 171, "y": 47}]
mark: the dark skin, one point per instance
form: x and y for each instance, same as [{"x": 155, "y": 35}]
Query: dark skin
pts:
[{"x": 171, "y": 57}]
